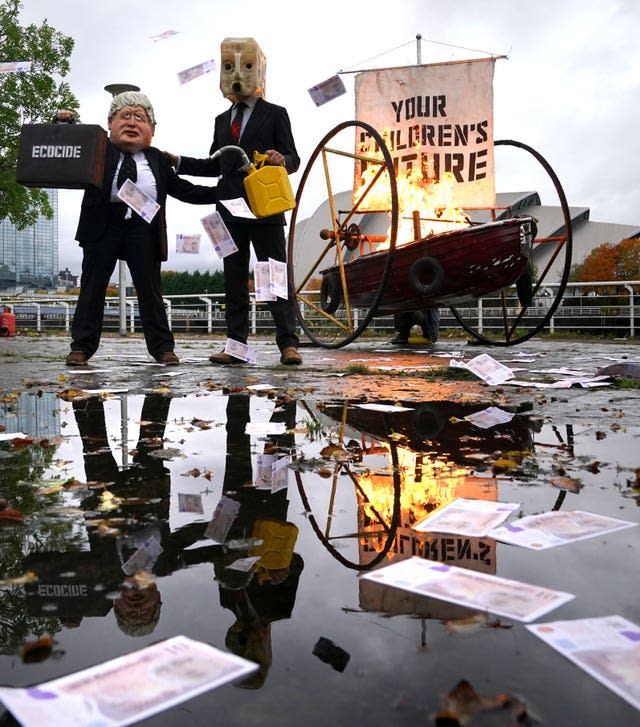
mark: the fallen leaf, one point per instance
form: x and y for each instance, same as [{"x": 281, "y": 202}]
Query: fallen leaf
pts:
[
  {"x": 35, "y": 651},
  {"x": 201, "y": 423},
  {"x": 105, "y": 531},
  {"x": 71, "y": 394},
  {"x": 6, "y": 513},
  {"x": 109, "y": 502},
  {"x": 141, "y": 579},
  {"x": 331, "y": 450},
  {"x": 28, "y": 577},
  {"x": 566, "y": 483}
]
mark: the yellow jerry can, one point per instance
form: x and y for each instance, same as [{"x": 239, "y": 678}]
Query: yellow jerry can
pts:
[
  {"x": 276, "y": 550},
  {"x": 268, "y": 188}
]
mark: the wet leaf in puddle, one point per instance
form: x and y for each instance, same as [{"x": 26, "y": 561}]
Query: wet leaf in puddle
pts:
[
  {"x": 232, "y": 389},
  {"x": 141, "y": 579},
  {"x": 474, "y": 623},
  {"x": 19, "y": 442},
  {"x": 503, "y": 463},
  {"x": 164, "y": 390},
  {"x": 71, "y": 394},
  {"x": 109, "y": 502},
  {"x": 332, "y": 450},
  {"x": 110, "y": 522},
  {"x": 9, "y": 515},
  {"x": 168, "y": 453},
  {"x": 201, "y": 423},
  {"x": 35, "y": 651},
  {"x": 463, "y": 703},
  {"x": 566, "y": 483},
  {"x": 397, "y": 437},
  {"x": 27, "y": 577},
  {"x": 66, "y": 511},
  {"x": 50, "y": 489},
  {"x": 105, "y": 531}
]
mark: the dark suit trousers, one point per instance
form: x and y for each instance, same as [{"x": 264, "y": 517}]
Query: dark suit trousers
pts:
[
  {"x": 132, "y": 241},
  {"x": 268, "y": 242}
]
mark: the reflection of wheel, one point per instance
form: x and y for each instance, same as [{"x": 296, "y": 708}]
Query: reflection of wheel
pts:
[
  {"x": 428, "y": 421},
  {"x": 426, "y": 276},
  {"x": 318, "y": 260},
  {"x": 391, "y": 528},
  {"x": 516, "y": 318}
]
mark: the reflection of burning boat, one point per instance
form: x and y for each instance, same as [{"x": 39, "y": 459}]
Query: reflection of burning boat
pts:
[
  {"x": 450, "y": 268},
  {"x": 436, "y": 426}
]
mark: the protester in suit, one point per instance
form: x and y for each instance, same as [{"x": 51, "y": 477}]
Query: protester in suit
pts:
[
  {"x": 109, "y": 230},
  {"x": 266, "y": 593},
  {"x": 262, "y": 127}
]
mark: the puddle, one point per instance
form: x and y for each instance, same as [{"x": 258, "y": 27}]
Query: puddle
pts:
[{"x": 119, "y": 492}]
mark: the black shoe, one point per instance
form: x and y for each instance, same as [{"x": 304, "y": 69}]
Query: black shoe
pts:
[{"x": 400, "y": 340}]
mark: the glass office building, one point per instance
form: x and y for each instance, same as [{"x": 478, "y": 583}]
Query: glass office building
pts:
[{"x": 29, "y": 257}]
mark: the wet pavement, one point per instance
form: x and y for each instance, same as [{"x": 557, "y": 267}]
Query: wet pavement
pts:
[{"x": 127, "y": 450}]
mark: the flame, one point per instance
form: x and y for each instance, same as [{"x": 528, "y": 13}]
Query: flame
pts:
[
  {"x": 427, "y": 483},
  {"x": 417, "y": 191}
]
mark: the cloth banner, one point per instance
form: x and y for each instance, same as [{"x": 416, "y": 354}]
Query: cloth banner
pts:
[{"x": 437, "y": 116}]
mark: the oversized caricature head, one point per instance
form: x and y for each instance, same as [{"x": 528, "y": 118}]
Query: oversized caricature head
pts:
[
  {"x": 243, "y": 69},
  {"x": 132, "y": 121}
]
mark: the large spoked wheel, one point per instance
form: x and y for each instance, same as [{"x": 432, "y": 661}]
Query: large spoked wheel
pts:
[
  {"x": 389, "y": 529},
  {"x": 522, "y": 311},
  {"x": 330, "y": 309}
]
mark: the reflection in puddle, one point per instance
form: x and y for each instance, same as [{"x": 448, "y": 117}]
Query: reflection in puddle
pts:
[{"x": 147, "y": 516}]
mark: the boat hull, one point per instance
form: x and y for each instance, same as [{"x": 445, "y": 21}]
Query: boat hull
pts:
[{"x": 470, "y": 263}]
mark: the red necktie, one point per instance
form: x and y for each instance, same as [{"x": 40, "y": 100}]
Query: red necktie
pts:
[{"x": 236, "y": 124}]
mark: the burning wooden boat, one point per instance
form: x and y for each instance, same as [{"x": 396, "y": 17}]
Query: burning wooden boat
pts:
[
  {"x": 424, "y": 163},
  {"x": 347, "y": 276},
  {"x": 451, "y": 268}
]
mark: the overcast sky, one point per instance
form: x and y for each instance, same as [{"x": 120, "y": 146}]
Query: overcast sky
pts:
[{"x": 569, "y": 88}]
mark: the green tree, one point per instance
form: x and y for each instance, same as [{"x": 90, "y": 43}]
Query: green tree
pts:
[
  {"x": 26, "y": 98},
  {"x": 186, "y": 283}
]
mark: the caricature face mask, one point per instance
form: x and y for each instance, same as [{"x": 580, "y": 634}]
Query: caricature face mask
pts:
[{"x": 243, "y": 68}]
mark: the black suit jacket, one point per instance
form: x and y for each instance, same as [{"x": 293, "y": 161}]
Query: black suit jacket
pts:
[
  {"x": 94, "y": 212},
  {"x": 268, "y": 127}
]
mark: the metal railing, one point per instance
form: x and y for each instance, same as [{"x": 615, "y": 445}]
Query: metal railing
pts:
[{"x": 601, "y": 308}]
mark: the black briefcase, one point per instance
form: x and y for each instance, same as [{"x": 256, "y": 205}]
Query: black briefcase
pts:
[{"x": 61, "y": 156}]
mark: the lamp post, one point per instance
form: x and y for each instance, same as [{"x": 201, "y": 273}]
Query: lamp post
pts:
[{"x": 114, "y": 89}]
